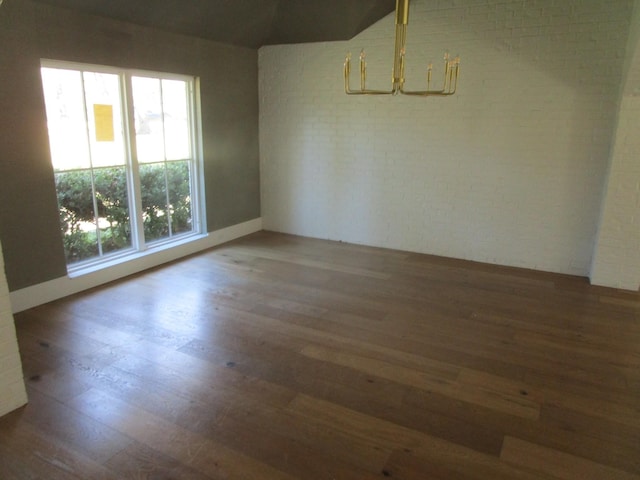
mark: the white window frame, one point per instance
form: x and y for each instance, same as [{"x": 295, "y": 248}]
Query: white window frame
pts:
[{"x": 198, "y": 212}]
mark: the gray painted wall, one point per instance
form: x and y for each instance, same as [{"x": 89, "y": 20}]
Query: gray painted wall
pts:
[{"x": 28, "y": 32}]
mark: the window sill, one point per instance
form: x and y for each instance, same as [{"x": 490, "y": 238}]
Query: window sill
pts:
[{"x": 132, "y": 256}]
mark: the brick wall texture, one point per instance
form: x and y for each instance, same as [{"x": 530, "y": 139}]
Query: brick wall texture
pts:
[
  {"x": 12, "y": 393},
  {"x": 617, "y": 257},
  {"x": 511, "y": 170}
]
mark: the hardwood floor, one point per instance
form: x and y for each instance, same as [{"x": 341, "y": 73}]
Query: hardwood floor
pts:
[{"x": 278, "y": 357}]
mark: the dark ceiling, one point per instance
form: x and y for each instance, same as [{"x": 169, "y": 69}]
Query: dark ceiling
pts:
[{"x": 250, "y": 23}]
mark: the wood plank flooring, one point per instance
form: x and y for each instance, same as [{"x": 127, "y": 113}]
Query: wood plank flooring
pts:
[{"x": 280, "y": 357}]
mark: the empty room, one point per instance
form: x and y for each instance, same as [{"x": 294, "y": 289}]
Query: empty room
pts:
[{"x": 337, "y": 239}]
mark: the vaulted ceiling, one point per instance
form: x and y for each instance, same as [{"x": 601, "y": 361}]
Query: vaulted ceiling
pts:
[{"x": 249, "y": 23}]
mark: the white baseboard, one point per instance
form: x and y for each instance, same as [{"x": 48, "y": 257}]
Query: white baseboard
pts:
[{"x": 42, "y": 293}]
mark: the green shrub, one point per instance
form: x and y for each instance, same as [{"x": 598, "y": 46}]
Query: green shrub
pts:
[{"x": 78, "y": 212}]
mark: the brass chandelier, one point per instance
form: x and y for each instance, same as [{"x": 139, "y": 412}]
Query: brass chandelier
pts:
[{"x": 451, "y": 66}]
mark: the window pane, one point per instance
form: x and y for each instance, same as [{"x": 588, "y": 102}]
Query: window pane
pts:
[
  {"x": 178, "y": 182},
  {"x": 147, "y": 105},
  {"x": 102, "y": 91},
  {"x": 77, "y": 220},
  {"x": 94, "y": 169},
  {"x": 113, "y": 208},
  {"x": 176, "y": 119},
  {"x": 154, "y": 201},
  {"x": 65, "y": 118}
]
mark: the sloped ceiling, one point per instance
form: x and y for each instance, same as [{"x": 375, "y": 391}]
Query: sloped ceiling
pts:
[{"x": 249, "y": 23}]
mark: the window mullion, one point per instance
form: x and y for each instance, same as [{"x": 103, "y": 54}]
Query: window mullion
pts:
[
  {"x": 96, "y": 217},
  {"x": 133, "y": 167},
  {"x": 196, "y": 163},
  {"x": 167, "y": 199},
  {"x": 166, "y": 164}
]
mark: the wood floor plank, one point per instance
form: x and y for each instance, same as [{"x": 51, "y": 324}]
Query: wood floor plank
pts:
[
  {"x": 77, "y": 432},
  {"x": 616, "y": 408},
  {"x": 542, "y": 362},
  {"x": 555, "y": 436},
  {"x": 305, "y": 261},
  {"x": 42, "y": 375},
  {"x": 438, "y": 458},
  {"x": 305, "y": 449},
  {"x": 609, "y": 431},
  {"x": 30, "y": 453},
  {"x": 382, "y": 432},
  {"x": 446, "y": 464},
  {"x": 138, "y": 461},
  {"x": 192, "y": 374},
  {"x": 513, "y": 402},
  {"x": 275, "y": 356},
  {"x": 195, "y": 451},
  {"x": 557, "y": 464}
]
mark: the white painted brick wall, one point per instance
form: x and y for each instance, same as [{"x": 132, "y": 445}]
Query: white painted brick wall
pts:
[
  {"x": 616, "y": 260},
  {"x": 12, "y": 391},
  {"x": 510, "y": 170}
]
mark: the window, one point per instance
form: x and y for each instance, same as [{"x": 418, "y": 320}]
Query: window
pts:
[{"x": 123, "y": 151}]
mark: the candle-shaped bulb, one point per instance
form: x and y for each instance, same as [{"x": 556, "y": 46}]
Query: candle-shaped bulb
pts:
[
  {"x": 446, "y": 56},
  {"x": 363, "y": 70},
  {"x": 348, "y": 59},
  {"x": 430, "y": 66}
]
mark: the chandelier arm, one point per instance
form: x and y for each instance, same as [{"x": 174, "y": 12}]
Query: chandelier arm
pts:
[
  {"x": 445, "y": 92},
  {"x": 451, "y": 78},
  {"x": 369, "y": 92},
  {"x": 427, "y": 93},
  {"x": 451, "y": 66},
  {"x": 455, "y": 85},
  {"x": 447, "y": 70},
  {"x": 362, "y": 91},
  {"x": 347, "y": 71}
]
